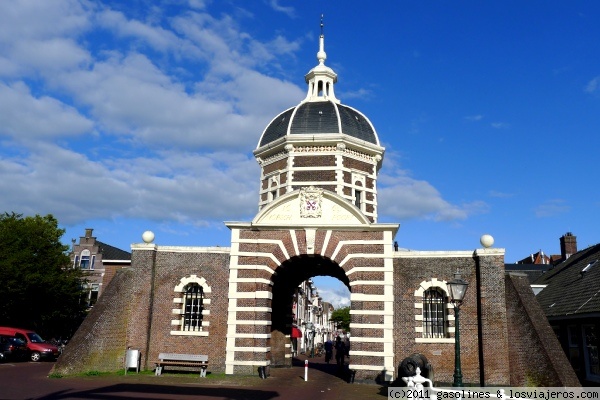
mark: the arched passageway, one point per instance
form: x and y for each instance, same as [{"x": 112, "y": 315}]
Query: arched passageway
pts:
[{"x": 286, "y": 279}]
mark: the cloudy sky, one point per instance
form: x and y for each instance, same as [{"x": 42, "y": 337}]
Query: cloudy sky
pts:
[{"x": 126, "y": 116}]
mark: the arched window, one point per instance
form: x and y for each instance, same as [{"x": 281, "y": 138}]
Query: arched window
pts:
[
  {"x": 433, "y": 322},
  {"x": 434, "y": 313},
  {"x": 193, "y": 307}
]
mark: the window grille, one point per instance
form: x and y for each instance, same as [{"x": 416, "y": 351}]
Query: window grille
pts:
[
  {"x": 434, "y": 314},
  {"x": 193, "y": 306}
]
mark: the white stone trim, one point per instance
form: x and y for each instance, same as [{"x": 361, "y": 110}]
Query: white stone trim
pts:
[
  {"x": 259, "y": 294},
  {"x": 343, "y": 243},
  {"x": 371, "y": 312},
  {"x": 250, "y": 349},
  {"x": 432, "y": 254},
  {"x": 259, "y": 254},
  {"x": 295, "y": 241},
  {"x": 434, "y": 340},
  {"x": 251, "y": 309},
  {"x": 249, "y": 322},
  {"x": 253, "y": 280},
  {"x": 370, "y": 297},
  {"x": 369, "y": 269},
  {"x": 253, "y": 267},
  {"x": 250, "y": 335},
  {"x": 361, "y": 255},
  {"x": 326, "y": 241},
  {"x": 189, "y": 333},
  {"x": 278, "y": 242},
  {"x": 380, "y": 283}
]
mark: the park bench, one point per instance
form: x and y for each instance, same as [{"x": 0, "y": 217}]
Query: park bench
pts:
[{"x": 182, "y": 360}]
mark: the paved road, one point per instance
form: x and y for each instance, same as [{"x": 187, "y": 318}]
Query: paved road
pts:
[{"x": 27, "y": 380}]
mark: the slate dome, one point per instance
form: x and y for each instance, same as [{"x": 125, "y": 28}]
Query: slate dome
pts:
[
  {"x": 320, "y": 117},
  {"x": 320, "y": 113}
]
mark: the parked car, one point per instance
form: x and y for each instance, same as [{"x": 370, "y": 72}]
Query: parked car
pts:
[
  {"x": 37, "y": 348},
  {"x": 12, "y": 349}
]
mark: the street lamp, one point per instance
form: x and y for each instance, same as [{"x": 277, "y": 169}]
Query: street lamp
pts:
[
  {"x": 310, "y": 327},
  {"x": 457, "y": 288}
]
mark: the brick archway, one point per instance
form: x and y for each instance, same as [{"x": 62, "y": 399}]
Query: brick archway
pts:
[{"x": 362, "y": 258}]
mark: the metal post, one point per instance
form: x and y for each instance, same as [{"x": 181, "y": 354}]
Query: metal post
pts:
[
  {"x": 457, "y": 370},
  {"x": 305, "y": 370}
]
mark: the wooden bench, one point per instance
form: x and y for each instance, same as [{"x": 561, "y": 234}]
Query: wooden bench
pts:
[{"x": 182, "y": 360}]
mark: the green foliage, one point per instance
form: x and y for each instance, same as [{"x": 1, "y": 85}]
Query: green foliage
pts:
[
  {"x": 39, "y": 291},
  {"x": 342, "y": 318}
]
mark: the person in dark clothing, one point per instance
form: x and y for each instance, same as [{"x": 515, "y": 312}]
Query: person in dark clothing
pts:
[
  {"x": 328, "y": 351},
  {"x": 340, "y": 352}
]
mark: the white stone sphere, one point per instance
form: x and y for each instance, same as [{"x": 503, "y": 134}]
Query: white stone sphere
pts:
[
  {"x": 486, "y": 240},
  {"x": 148, "y": 236}
]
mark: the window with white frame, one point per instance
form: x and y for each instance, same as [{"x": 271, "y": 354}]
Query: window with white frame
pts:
[
  {"x": 193, "y": 304},
  {"x": 432, "y": 317},
  {"x": 192, "y": 307},
  {"x": 84, "y": 262}
]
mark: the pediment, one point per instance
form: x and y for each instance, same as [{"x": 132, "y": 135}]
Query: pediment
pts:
[{"x": 310, "y": 207}]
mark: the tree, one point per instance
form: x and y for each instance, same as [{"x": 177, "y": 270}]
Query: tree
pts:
[
  {"x": 342, "y": 318},
  {"x": 38, "y": 290}
]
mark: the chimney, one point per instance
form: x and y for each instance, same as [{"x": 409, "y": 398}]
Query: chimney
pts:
[
  {"x": 568, "y": 245},
  {"x": 88, "y": 232}
]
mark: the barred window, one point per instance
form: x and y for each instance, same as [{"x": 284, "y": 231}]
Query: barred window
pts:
[
  {"x": 434, "y": 313},
  {"x": 193, "y": 305}
]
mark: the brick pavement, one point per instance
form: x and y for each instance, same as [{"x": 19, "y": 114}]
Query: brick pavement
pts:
[{"x": 29, "y": 381}]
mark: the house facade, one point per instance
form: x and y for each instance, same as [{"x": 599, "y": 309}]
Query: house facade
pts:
[
  {"x": 99, "y": 263},
  {"x": 570, "y": 297},
  {"x": 318, "y": 217}
]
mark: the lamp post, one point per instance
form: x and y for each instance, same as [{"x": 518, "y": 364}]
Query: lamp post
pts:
[
  {"x": 457, "y": 288},
  {"x": 310, "y": 328}
]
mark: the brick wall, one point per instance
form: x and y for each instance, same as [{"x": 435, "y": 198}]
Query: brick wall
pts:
[{"x": 536, "y": 357}]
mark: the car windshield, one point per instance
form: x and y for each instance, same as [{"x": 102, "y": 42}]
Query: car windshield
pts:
[{"x": 35, "y": 338}]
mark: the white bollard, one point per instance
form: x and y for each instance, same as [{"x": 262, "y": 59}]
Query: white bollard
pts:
[{"x": 305, "y": 370}]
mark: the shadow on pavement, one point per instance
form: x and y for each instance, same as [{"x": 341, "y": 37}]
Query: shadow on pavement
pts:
[{"x": 128, "y": 391}]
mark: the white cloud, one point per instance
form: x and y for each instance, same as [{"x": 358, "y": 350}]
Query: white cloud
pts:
[
  {"x": 403, "y": 197},
  {"x": 593, "y": 85},
  {"x": 26, "y": 117},
  {"x": 552, "y": 208},
  {"x": 289, "y": 11}
]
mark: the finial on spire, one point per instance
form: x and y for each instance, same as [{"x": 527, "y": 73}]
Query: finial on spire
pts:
[{"x": 321, "y": 56}]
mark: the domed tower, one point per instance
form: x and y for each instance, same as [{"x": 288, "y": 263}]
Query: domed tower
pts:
[{"x": 321, "y": 143}]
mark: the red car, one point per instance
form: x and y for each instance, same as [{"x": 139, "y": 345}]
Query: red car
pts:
[
  {"x": 37, "y": 348},
  {"x": 12, "y": 349}
]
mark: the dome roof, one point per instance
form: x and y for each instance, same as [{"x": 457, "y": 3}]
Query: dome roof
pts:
[
  {"x": 320, "y": 112},
  {"x": 319, "y": 117}
]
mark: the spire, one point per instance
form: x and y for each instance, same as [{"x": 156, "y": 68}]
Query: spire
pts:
[
  {"x": 321, "y": 55},
  {"x": 321, "y": 78}
]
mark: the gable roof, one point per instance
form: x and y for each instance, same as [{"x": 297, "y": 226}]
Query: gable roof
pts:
[
  {"x": 112, "y": 253},
  {"x": 571, "y": 291}
]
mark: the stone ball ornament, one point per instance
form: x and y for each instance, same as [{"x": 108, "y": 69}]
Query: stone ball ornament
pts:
[
  {"x": 148, "y": 236},
  {"x": 486, "y": 241}
]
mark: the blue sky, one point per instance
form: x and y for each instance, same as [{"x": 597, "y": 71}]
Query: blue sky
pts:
[{"x": 133, "y": 116}]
